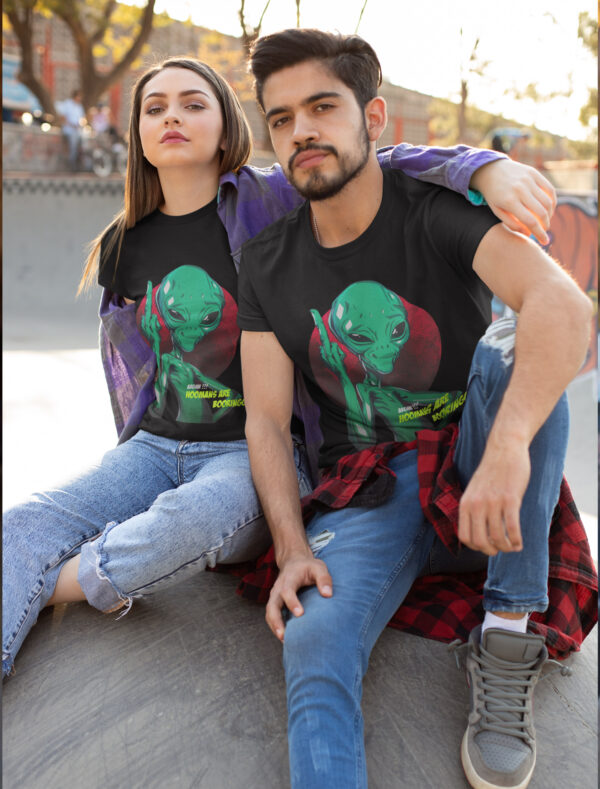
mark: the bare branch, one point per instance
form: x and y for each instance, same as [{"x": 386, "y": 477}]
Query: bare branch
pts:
[
  {"x": 134, "y": 50},
  {"x": 249, "y": 37},
  {"x": 98, "y": 34},
  {"x": 362, "y": 11},
  {"x": 262, "y": 16},
  {"x": 22, "y": 25}
]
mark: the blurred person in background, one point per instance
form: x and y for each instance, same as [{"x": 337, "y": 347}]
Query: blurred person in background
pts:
[{"x": 72, "y": 116}]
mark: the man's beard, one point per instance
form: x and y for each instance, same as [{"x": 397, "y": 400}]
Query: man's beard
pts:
[{"x": 321, "y": 187}]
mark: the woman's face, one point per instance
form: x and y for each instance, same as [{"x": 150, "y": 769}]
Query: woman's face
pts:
[{"x": 181, "y": 124}]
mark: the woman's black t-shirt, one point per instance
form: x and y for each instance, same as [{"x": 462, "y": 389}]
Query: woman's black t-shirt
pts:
[{"x": 180, "y": 273}]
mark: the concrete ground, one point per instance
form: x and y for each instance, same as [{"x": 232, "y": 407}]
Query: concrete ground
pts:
[{"x": 187, "y": 690}]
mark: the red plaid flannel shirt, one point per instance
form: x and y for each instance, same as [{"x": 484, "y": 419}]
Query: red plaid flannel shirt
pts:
[{"x": 446, "y": 607}]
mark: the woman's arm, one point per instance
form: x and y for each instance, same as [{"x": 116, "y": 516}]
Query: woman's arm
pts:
[{"x": 518, "y": 194}]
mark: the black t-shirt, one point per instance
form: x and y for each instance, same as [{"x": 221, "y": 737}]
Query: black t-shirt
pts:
[
  {"x": 184, "y": 263},
  {"x": 383, "y": 328}
]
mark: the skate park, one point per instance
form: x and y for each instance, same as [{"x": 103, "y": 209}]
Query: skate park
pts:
[{"x": 187, "y": 690}]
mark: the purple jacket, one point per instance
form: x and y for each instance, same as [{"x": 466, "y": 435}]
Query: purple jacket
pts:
[{"x": 248, "y": 201}]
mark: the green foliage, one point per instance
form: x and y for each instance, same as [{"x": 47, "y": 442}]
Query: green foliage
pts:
[
  {"x": 226, "y": 55},
  {"x": 588, "y": 33}
]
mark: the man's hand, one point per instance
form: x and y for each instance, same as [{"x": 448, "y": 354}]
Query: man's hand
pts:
[
  {"x": 520, "y": 196},
  {"x": 488, "y": 518},
  {"x": 295, "y": 573}
]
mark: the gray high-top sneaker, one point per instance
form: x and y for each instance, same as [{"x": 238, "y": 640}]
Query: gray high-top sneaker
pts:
[{"x": 498, "y": 748}]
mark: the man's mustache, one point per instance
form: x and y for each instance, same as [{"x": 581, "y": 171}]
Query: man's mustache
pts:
[{"x": 311, "y": 146}]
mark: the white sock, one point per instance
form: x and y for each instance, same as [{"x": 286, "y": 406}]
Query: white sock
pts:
[{"x": 516, "y": 625}]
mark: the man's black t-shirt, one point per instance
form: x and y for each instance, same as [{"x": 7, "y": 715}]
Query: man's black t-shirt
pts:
[
  {"x": 383, "y": 328},
  {"x": 179, "y": 271}
]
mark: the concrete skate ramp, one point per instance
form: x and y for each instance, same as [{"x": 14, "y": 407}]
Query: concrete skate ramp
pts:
[{"x": 187, "y": 691}]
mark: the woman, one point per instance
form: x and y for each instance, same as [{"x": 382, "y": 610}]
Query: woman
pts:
[{"x": 176, "y": 494}]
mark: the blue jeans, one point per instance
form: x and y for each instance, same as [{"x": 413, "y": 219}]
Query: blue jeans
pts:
[
  {"x": 374, "y": 555},
  {"x": 73, "y": 136},
  {"x": 153, "y": 512}
]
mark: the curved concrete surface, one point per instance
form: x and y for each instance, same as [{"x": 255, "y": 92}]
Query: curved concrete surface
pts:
[{"x": 187, "y": 691}]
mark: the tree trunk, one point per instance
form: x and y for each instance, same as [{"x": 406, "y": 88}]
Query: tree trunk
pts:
[
  {"x": 23, "y": 28},
  {"x": 93, "y": 84}
]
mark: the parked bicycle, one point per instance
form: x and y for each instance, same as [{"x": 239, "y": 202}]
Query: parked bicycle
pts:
[{"x": 103, "y": 154}]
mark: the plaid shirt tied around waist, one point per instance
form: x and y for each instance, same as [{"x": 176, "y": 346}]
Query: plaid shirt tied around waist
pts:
[{"x": 446, "y": 607}]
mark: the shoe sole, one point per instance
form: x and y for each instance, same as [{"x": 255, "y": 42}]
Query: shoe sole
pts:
[{"x": 476, "y": 781}]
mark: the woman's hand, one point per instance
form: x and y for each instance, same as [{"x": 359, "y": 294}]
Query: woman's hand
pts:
[{"x": 519, "y": 195}]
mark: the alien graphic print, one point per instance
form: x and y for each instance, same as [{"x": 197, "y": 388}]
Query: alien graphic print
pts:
[
  {"x": 381, "y": 328},
  {"x": 189, "y": 321},
  {"x": 179, "y": 273},
  {"x": 377, "y": 355}
]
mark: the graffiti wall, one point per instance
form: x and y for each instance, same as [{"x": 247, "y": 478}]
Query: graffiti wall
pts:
[{"x": 574, "y": 243}]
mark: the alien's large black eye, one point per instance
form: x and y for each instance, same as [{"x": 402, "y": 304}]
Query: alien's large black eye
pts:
[
  {"x": 359, "y": 338},
  {"x": 399, "y": 330},
  {"x": 210, "y": 318},
  {"x": 177, "y": 316}
]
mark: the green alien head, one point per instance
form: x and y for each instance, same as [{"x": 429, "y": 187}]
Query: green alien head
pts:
[
  {"x": 372, "y": 321},
  {"x": 191, "y": 304}
]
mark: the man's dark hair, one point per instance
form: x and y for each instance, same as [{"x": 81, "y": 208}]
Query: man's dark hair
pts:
[{"x": 349, "y": 58}]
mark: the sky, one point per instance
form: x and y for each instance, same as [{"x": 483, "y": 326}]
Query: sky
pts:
[{"x": 420, "y": 46}]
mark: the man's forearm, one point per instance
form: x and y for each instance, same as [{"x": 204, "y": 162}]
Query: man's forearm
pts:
[{"x": 274, "y": 475}]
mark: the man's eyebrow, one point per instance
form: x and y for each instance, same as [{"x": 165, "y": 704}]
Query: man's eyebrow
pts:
[
  {"x": 325, "y": 94},
  {"x": 182, "y": 93}
]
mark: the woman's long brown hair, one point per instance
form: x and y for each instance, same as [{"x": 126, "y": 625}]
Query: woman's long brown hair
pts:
[{"x": 143, "y": 193}]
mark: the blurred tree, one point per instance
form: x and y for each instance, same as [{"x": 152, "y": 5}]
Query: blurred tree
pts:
[
  {"x": 249, "y": 33},
  {"x": 227, "y": 56},
  {"x": 98, "y": 27},
  {"x": 20, "y": 14},
  {"x": 588, "y": 33},
  {"x": 472, "y": 66}
]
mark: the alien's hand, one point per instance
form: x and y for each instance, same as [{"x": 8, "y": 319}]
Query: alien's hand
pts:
[
  {"x": 182, "y": 374},
  {"x": 149, "y": 324},
  {"x": 385, "y": 399},
  {"x": 331, "y": 353}
]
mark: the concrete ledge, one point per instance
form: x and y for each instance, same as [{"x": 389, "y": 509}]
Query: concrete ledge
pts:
[{"x": 54, "y": 183}]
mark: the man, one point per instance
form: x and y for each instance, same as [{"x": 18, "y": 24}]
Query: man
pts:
[
  {"x": 378, "y": 290},
  {"x": 72, "y": 114}
]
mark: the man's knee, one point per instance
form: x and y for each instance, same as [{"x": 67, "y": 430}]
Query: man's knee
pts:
[
  {"x": 321, "y": 638},
  {"x": 497, "y": 346}
]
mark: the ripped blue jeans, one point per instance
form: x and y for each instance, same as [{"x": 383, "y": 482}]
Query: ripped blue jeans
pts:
[
  {"x": 374, "y": 555},
  {"x": 153, "y": 512}
]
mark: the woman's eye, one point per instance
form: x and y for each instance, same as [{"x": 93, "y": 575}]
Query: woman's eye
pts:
[
  {"x": 194, "y": 106},
  {"x": 153, "y": 110}
]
